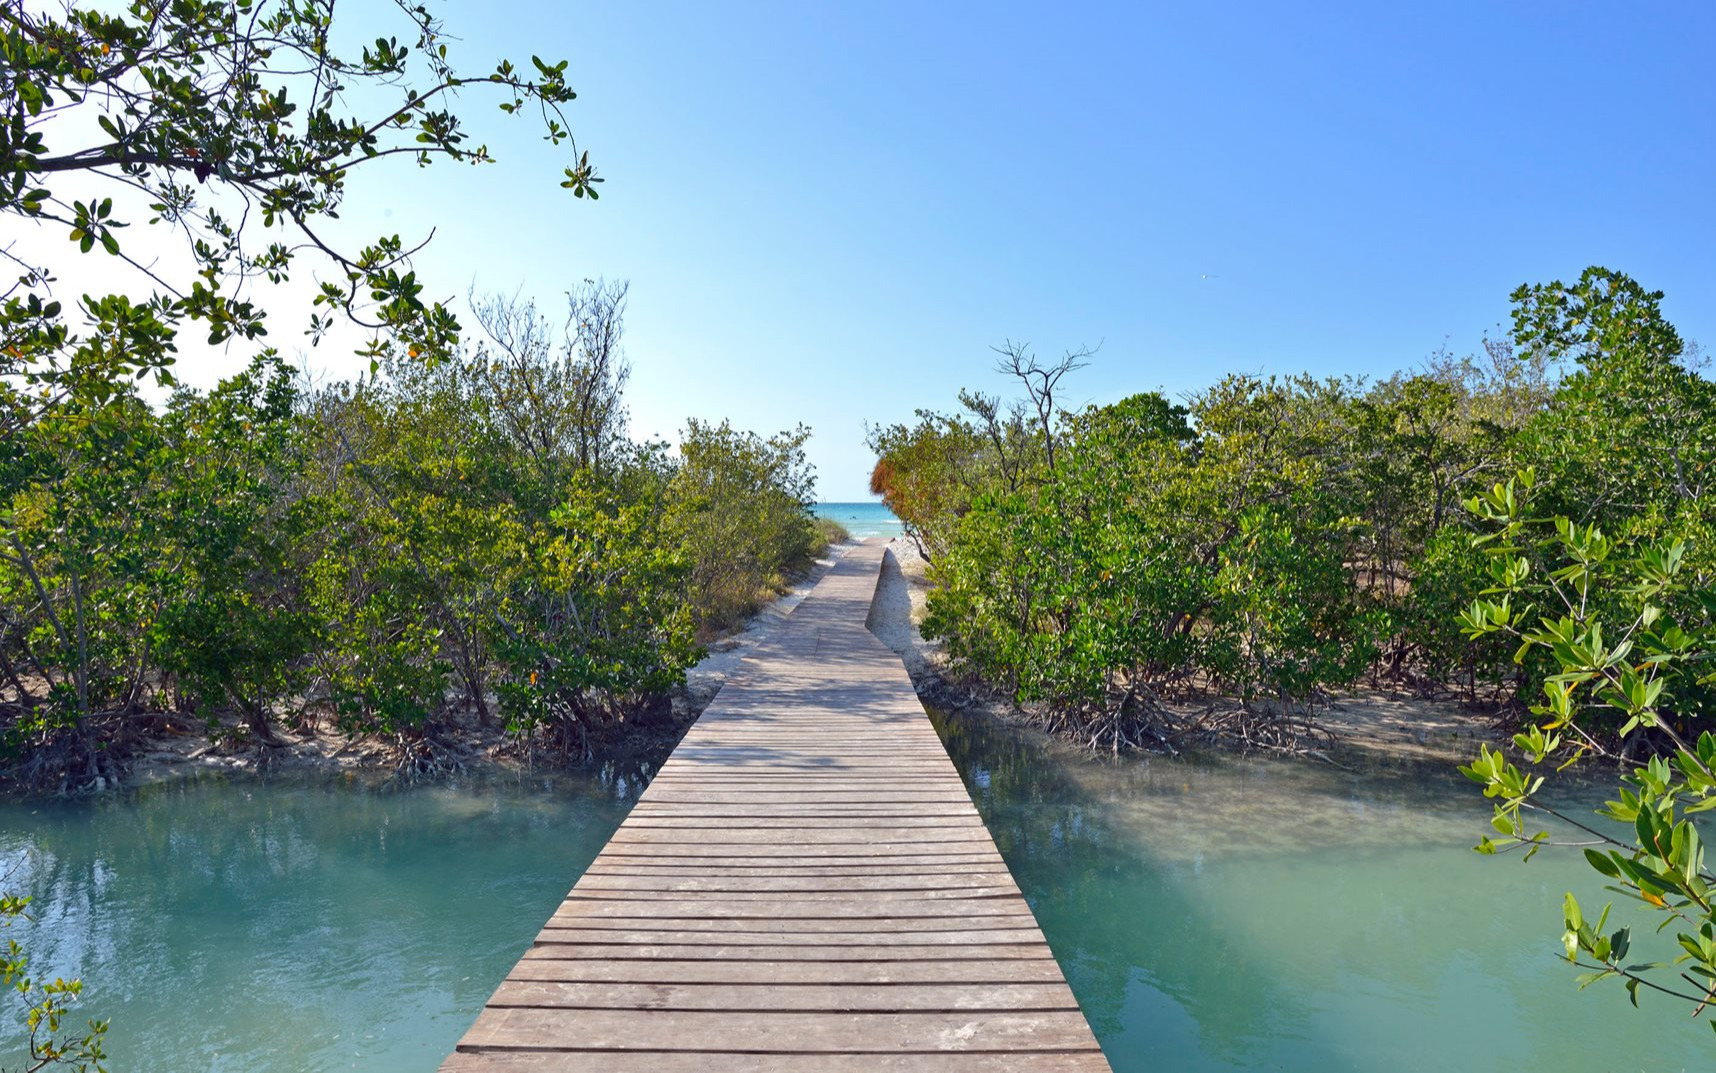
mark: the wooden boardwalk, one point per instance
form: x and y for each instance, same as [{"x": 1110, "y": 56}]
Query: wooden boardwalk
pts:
[{"x": 804, "y": 887}]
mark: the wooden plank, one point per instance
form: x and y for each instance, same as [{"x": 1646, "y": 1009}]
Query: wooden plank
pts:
[
  {"x": 832, "y": 806},
  {"x": 668, "y": 857},
  {"x": 802, "y": 925},
  {"x": 906, "y": 816},
  {"x": 924, "y": 815},
  {"x": 798, "y": 998},
  {"x": 809, "y": 897},
  {"x": 787, "y": 907},
  {"x": 889, "y": 836},
  {"x": 612, "y": 868},
  {"x": 766, "y": 822},
  {"x": 787, "y": 851},
  {"x": 965, "y": 939},
  {"x": 749, "y": 1062},
  {"x": 772, "y": 972},
  {"x": 793, "y": 884},
  {"x": 842, "y": 798},
  {"x": 780, "y": 1033},
  {"x": 874, "y": 786},
  {"x": 547, "y": 949}
]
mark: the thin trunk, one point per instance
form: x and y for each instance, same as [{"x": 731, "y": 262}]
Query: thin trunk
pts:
[
  {"x": 80, "y": 672},
  {"x": 256, "y": 718},
  {"x": 23, "y": 559},
  {"x": 12, "y": 676},
  {"x": 136, "y": 688},
  {"x": 41, "y": 668}
]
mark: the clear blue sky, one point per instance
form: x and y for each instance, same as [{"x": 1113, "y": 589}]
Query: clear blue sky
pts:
[{"x": 829, "y": 213}]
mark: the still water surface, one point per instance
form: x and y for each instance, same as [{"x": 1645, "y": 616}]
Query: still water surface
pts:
[
  {"x": 297, "y": 926},
  {"x": 1211, "y": 915},
  {"x": 1244, "y": 914}
]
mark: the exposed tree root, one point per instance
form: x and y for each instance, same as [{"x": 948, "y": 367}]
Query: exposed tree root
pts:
[
  {"x": 1140, "y": 722},
  {"x": 71, "y": 761},
  {"x": 424, "y": 757}
]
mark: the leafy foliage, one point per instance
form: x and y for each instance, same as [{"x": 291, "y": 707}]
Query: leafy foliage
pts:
[
  {"x": 467, "y": 528},
  {"x": 1168, "y": 545},
  {"x": 138, "y": 542},
  {"x": 1277, "y": 539},
  {"x": 479, "y": 535},
  {"x": 214, "y": 118},
  {"x": 1623, "y": 664},
  {"x": 741, "y": 508},
  {"x": 45, "y": 1006}
]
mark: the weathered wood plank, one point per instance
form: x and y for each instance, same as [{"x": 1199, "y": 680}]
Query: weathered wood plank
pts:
[
  {"x": 798, "y": 998},
  {"x": 801, "y": 925},
  {"x": 548, "y": 949},
  {"x": 780, "y": 1033},
  {"x": 919, "y": 881},
  {"x": 667, "y": 857},
  {"x": 802, "y": 823},
  {"x": 761, "y": 795},
  {"x": 750, "y": 1062},
  {"x": 965, "y": 938},
  {"x": 807, "y": 897},
  {"x": 788, "y": 907},
  {"x": 611, "y": 868},
  {"x": 787, "y": 851},
  {"x": 772, "y": 972},
  {"x": 821, "y": 811},
  {"x": 891, "y": 836}
]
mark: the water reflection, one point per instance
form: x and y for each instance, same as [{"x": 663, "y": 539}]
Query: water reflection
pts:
[{"x": 1226, "y": 913}]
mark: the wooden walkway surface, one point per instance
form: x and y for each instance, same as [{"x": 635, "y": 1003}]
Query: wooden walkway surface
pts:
[{"x": 805, "y": 886}]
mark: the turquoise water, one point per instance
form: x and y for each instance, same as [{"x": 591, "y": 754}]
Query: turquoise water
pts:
[
  {"x": 861, "y": 519},
  {"x": 1237, "y": 914},
  {"x": 1216, "y": 915},
  {"x": 295, "y": 927}
]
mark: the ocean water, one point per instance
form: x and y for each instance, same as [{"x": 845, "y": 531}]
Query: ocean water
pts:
[{"x": 862, "y": 519}]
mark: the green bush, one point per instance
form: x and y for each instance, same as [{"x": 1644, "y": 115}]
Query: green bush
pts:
[
  {"x": 828, "y": 533},
  {"x": 1277, "y": 539},
  {"x": 428, "y": 541},
  {"x": 740, "y": 509}
]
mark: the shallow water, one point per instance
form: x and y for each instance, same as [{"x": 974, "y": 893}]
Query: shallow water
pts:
[
  {"x": 296, "y": 925},
  {"x": 1251, "y": 914},
  {"x": 1211, "y": 915}
]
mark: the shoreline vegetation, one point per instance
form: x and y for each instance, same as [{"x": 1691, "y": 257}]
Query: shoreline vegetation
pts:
[
  {"x": 1365, "y": 726},
  {"x": 1533, "y": 529},
  {"x": 439, "y": 564},
  {"x": 481, "y": 751},
  {"x": 1151, "y": 575},
  {"x": 431, "y": 562},
  {"x": 1374, "y": 725}
]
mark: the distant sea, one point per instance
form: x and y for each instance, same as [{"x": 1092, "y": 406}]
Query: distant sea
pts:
[{"x": 861, "y": 519}]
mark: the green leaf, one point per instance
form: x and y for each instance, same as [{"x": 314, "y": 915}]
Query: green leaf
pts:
[{"x": 1602, "y": 863}]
